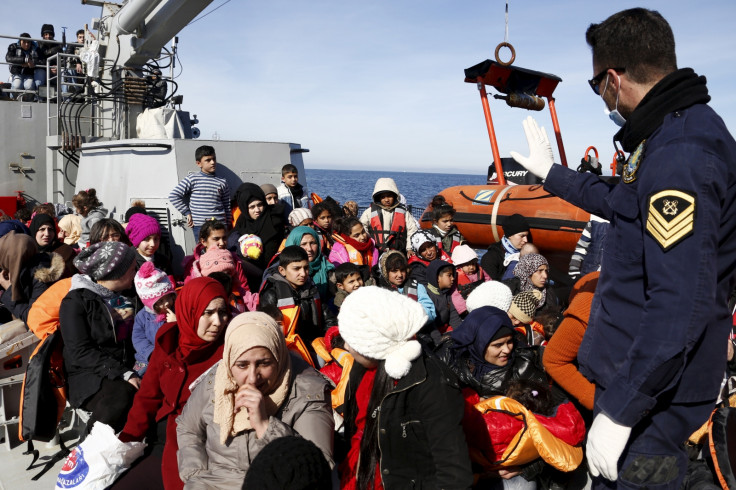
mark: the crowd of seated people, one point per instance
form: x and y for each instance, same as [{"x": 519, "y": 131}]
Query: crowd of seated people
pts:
[{"x": 389, "y": 351}]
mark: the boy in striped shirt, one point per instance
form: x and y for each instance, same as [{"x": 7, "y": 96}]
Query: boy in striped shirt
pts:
[{"x": 203, "y": 195}]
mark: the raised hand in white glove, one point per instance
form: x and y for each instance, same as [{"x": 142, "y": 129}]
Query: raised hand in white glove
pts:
[
  {"x": 540, "y": 159},
  {"x": 606, "y": 442}
]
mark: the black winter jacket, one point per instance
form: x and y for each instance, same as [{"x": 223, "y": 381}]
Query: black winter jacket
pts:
[
  {"x": 314, "y": 320},
  {"x": 525, "y": 364},
  {"x": 35, "y": 278},
  {"x": 421, "y": 439},
  {"x": 17, "y": 58},
  {"x": 91, "y": 349},
  {"x": 492, "y": 261}
]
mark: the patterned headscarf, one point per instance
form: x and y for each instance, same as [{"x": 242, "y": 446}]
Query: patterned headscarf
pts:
[{"x": 527, "y": 266}]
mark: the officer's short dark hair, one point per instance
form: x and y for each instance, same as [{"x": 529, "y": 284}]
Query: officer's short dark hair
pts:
[
  {"x": 638, "y": 40},
  {"x": 204, "y": 151},
  {"x": 80, "y": 31},
  {"x": 293, "y": 253}
]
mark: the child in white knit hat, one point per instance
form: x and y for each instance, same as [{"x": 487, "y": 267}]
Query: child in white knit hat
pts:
[
  {"x": 400, "y": 397},
  {"x": 469, "y": 276}
]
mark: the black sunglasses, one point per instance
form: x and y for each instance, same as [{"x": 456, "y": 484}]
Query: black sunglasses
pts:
[{"x": 595, "y": 82}]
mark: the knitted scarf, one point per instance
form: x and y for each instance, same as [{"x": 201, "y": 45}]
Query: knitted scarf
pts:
[{"x": 678, "y": 90}]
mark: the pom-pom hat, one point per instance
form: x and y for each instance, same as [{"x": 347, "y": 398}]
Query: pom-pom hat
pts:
[
  {"x": 151, "y": 284},
  {"x": 384, "y": 333}
]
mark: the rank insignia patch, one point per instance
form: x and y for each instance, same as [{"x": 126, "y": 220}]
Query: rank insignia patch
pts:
[
  {"x": 671, "y": 217},
  {"x": 632, "y": 164}
]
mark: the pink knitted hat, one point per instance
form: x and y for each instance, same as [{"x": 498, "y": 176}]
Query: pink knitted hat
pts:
[
  {"x": 152, "y": 284},
  {"x": 140, "y": 226},
  {"x": 217, "y": 260}
]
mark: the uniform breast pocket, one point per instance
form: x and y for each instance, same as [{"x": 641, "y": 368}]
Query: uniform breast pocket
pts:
[{"x": 624, "y": 240}]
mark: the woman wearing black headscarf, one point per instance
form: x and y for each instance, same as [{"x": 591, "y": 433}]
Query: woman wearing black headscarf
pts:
[
  {"x": 484, "y": 353},
  {"x": 258, "y": 218},
  {"x": 43, "y": 230}
]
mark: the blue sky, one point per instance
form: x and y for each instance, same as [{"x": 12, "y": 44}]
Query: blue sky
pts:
[{"x": 379, "y": 85}]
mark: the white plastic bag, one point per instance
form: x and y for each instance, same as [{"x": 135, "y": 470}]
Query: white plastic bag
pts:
[{"x": 98, "y": 461}]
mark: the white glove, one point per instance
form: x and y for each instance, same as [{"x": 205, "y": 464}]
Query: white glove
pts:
[
  {"x": 606, "y": 442},
  {"x": 540, "y": 159}
]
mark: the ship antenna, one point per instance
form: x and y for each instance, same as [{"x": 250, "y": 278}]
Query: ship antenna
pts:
[{"x": 506, "y": 43}]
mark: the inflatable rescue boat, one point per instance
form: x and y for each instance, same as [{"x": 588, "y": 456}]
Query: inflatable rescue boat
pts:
[{"x": 483, "y": 209}]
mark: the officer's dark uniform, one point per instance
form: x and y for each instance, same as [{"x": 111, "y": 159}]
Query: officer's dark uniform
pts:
[{"x": 659, "y": 324}]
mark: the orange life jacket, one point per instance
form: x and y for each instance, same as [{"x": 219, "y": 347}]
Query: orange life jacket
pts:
[
  {"x": 534, "y": 440},
  {"x": 393, "y": 239},
  {"x": 465, "y": 286},
  {"x": 291, "y": 319},
  {"x": 354, "y": 255},
  {"x": 343, "y": 359}
]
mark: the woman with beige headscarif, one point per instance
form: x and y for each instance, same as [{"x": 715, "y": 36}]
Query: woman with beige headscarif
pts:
[{"x": 257, "y": 393}]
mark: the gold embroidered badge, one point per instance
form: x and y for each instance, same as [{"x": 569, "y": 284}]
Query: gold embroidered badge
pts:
[
  {"x": 671, "y": 217},
  {"x": 632, "y": 164}
]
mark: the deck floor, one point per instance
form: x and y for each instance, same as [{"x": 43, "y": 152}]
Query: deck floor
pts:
[{"x": 17, "y": 470}]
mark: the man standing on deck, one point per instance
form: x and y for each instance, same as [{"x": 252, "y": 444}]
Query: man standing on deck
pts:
[{"x": 657, "y": 337}]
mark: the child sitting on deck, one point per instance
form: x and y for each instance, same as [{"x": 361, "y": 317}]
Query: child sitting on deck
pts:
[
  {"x": 469, "y": 276},
  {"x": 290, "y": 191},
  {"x": 352, "y": 244},
  {"x": 291, "y": 289},
  {"x": 424, "y": 244},
  {"x": 391, "y": 274},
  {"x": 387, "y": 220},
  {"x": 443, "y": 224},
  {"x": 157, "y": 294},
  {"x": 347, "y": 279},
  {"x": 145, "y": 234},
  {"x": 440, "y": 282}
]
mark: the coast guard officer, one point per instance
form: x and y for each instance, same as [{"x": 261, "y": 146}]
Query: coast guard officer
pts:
[{"x": 657, "y": 337}]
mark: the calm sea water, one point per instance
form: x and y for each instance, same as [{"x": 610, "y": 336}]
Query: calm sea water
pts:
[{"x": 357, "y": 185}]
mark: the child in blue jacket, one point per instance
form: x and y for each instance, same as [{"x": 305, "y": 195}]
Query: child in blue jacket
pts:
[{"x": 157, "y": 294}]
